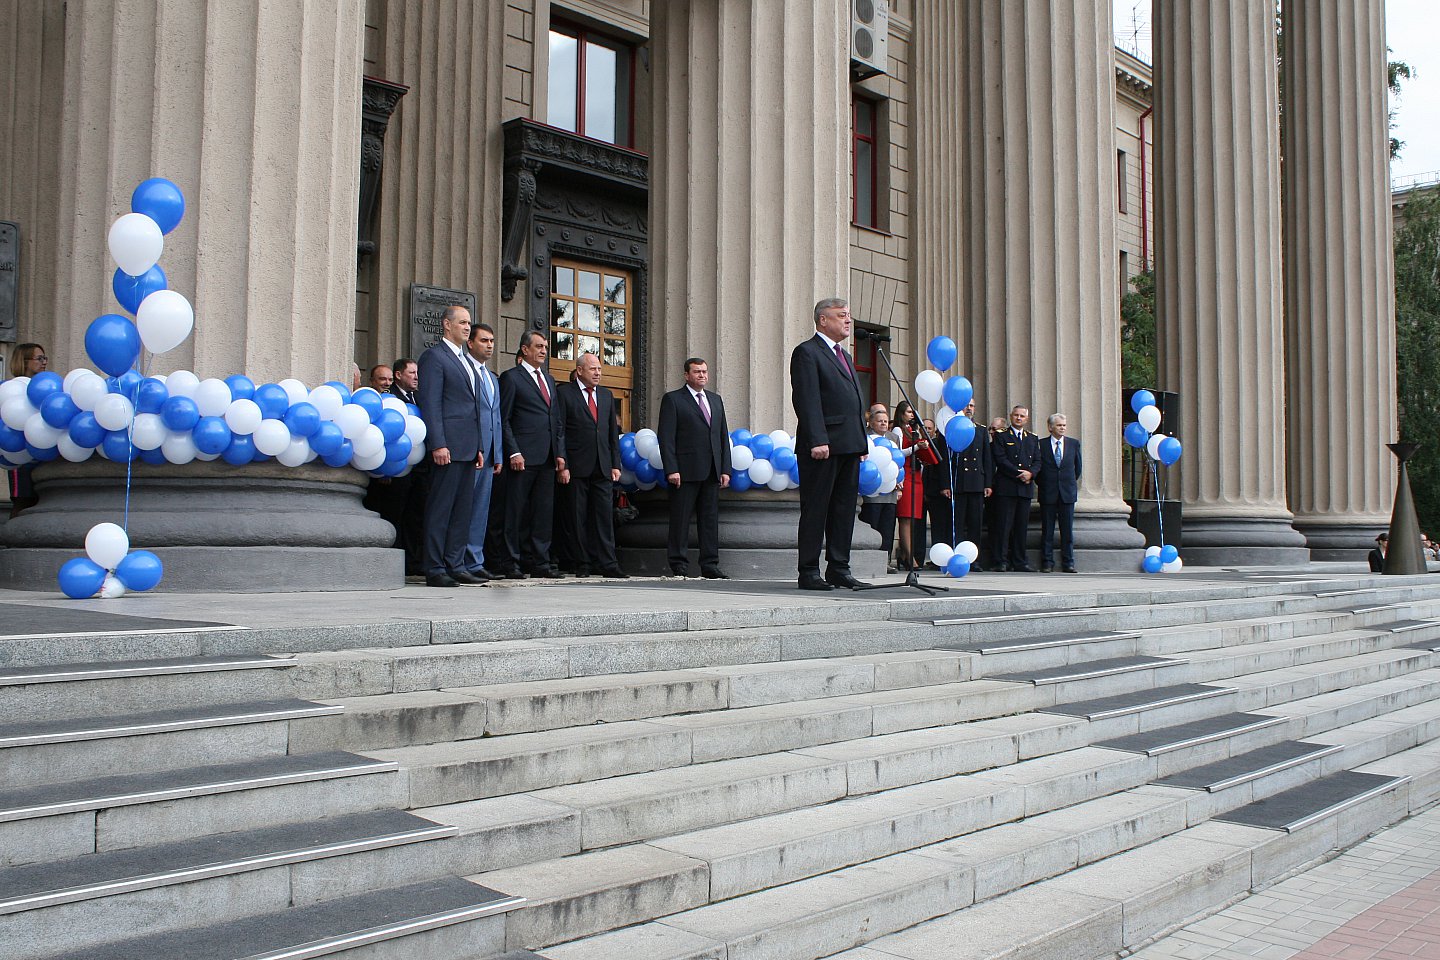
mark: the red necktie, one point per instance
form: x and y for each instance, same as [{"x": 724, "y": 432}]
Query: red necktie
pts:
[
  {"x": 594, "y": 414},
  {"x": 844, "y": 360},
  {"x": 544, "y": 390}
]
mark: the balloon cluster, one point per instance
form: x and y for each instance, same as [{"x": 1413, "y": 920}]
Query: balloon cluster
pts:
[
  {"x": 109, "y": 566},
  {"x": 883, "y": 469},
  {"x": 756, "y": 460},
  {"x": 1162, "y": 559},
  {"x": 953, "y": 393},
  {"x": 955, "y": 561},
  {"x": 1141, "y": 434}
]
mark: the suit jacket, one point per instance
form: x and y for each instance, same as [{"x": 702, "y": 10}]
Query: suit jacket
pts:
[
  {"x": 688, "y": 445},
  {"x": 826, "y": 397},
  {"x": 1011, "y": 454},
  {"x": 490, "y": 426},
  {"x": 974, "y": 467},
  {"x": 448, "y": 404},
  {"x": 406, "y": 395},
  {"x": 1059, "y": 484},
  {"x": 592, "y": 445},
  {"x": 529, "y": 426}
]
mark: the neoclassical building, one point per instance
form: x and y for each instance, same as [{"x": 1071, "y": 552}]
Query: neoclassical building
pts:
[{"x": 654, "y": 180}]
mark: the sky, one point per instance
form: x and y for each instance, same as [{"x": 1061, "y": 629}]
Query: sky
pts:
[{"x": 1413, "y": 32}]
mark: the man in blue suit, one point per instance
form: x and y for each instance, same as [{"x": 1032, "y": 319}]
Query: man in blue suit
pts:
[
  {"x": 481, "y": 347},
  {"x": 450, "y": 406},
  {"x": 1059, "y": 485}
]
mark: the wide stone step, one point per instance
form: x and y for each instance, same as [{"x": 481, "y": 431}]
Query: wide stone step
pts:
[
  {"x": 1093, "y": 670},
  {"x": 1167, "y": 739},
  {"x": 1298, "y": 807},
  {"x": 448, "y": 919},
  {"x": 212, "y": 879},
  {"x": 1242, "y": 768}
]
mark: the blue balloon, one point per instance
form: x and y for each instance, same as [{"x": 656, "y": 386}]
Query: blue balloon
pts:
[
  {"x": 398, "y": 449},
  {"x": 42, "y": 386},
  {"x": 412, "y": 410},
  {"x": 342, "y": 388},
  {"x": 1168, "y": 553},
  {"x": 740, "y": 481},
  {"x": 139, "y": 570},
  {"x": 150, "y": 395},
  {"x": 1141, "y": 399},
  {"x": 646, "y": 473},
  {"x": 959, "y": 433},
  {"x": 113, "y": 343},
  {"x": 369, "y": 401},
  {"x": 900, "y": 475},
  {"x": 740, "y": 438},
  {"x": 1152, "y": 564},
  {"x": 783, "y": 458},
  {"x": 869, "y": 479},
  {"x": 58, "y": 410},
  {"x": 161, "y": 201},
  {"x": 341, "y": 457},
  {"x": 130, "y": 291},
  {"x": 303, "y": 419},
  {"x": 126, "y": 384},
  {"x": 241, "y": 450},
  {"x": 1169, "y": 450},
  {"x": 117, "y": 446},
  {"x": 326, "y": 438},
  {"x": 180, "y": 413},
  {"x": 13, "y": 441},
  {"x": 1136, "y": 435},
  {"x": 81, "y": 578},
  {"x": 212, "y": 435},
  {"x": 241, "y": 386},
  {"x": 761, "y": 445},
  {"x": 84, "y": 431},
  {"x": 942, "y": 352},
  {"x": 795, "y": 472},
  {"x": 630, "y": 459},
  {"x": 391, "y": 424},
  {"x": 627, "y": 442},
  {"x": 156, "y": 456},
  {"x": 42, "y": 453},
  {"x": 272, "y": 400},
  {"x": 957, "y": 567},
  {"x": 957, "y": 393}
]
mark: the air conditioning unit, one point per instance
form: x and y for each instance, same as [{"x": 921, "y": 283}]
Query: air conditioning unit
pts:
[{"x": 869, "y": 38}]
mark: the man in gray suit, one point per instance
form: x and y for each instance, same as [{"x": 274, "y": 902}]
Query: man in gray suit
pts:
[
  {"x": 481, "y": 348},
  {"x": 450, "y": 406}
]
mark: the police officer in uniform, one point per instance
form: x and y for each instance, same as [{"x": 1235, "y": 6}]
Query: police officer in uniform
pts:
[
  {"x": 1016, "y": 452},
  {"x": 974, "y": 473}
]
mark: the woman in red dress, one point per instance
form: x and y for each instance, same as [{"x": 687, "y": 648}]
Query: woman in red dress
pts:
[{"x": 910, "y": 510}]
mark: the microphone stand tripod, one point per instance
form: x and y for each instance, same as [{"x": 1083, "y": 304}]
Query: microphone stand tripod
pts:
[{"x": 912, "y": 575}]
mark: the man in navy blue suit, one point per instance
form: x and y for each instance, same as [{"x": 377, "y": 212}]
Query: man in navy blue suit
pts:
[
  {"x": 450, "y": 407},
  {"x": 1059, "y": 485},
  {"x": 481, "y": 347}
]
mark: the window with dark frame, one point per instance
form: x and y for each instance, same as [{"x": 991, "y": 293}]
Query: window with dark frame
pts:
[
  {"x": 1121, "y": 187},
  {"x": 865, "y": 159},
  {"x": 592, "y": 84},
  {"x": 867, "y": 338}
]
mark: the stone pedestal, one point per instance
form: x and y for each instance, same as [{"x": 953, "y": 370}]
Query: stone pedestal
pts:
[
  {"x": 1218, "y": 285},
  {"x": 1339, "y": 304},
  {"x": 262, "y": 528}
]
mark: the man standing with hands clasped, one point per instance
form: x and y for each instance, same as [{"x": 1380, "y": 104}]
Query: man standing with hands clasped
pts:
[
  {"x": 830, "y": 443},
  {"x": 592, "y": 440},
  {"x": 695, "y": 453},
  {"x": 533, "y": 430},
  {"x": 1059, "y": 485}
]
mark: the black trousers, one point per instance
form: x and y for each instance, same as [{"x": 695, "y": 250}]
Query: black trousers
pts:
[
  {"x": 702, "y": 499},
  {"x": 1064, "y": 513},
  {"x": 564, "y": 540},
  {"x": 942, "y": 520},
  {"x": 529, "y": 516},
  {"x": 497, "y": 555},
  {"x": 412, "y": 515},
  {"x": 828, "y": 489},
  {"x": 1012, "y": 519},
  {"x": 881, "y": 517},
  {"x": 969, "y": 516},
  {"x": 592, "y": 500},
  {"x": 447, "y": 515}
]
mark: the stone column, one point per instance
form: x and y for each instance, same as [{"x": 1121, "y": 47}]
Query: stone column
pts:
[
  {"x": 1339, "y": 301},
  {"x": 253, "y": 108},
  {"x": 750, "y": 191},
  {"x": 1218, "y": 282},
  {"x": 1037, "y": 153}
]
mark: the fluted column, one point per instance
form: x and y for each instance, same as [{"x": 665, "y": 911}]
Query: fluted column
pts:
[
  {"x": 750, "y": 191},
  {"x": 1218, "y": 282},
  {"x": 253, "y": 108},
  {"x": 1041, "y": 313},
  {"x": 1339, "y": 303}
]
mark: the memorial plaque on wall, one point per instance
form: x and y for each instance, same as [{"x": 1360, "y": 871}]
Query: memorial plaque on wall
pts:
[
  {"x": 9, "y": 278},
  {"x": 427, "y": 309}
]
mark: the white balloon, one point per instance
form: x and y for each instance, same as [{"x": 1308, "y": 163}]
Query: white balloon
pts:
[
  {"x": 930, "y": 385},
  {"x": 17, "y": 388},
  {"x": 627, "y": 476},
  {"x": 271, "y": 437},
  {"x": 887, "y": 486},
  {"x": 113, "y": 412},
  {"x": 392, "y": 402},
  {"x": 352, "y": 421},
  {"x": 112, "y": 588},
  {"x": 647, "y": 486},
  {"x": 1152, "y": 551},
  {"x": 369, "y": 441},
  {"x": 71, "y": 377},
  {"x": 182, "y": 383},
  {"x": 135, "y": 243},
  {"x": 761, "y": 471},
  {"x": 164, "y": 319},
  {"x": 889, "y": 472},
  {"x": 794, "y": 484},
  {"x": 782, "y": 439},
  {"x": 159, "y": 376},
  {"x": 881, "y": 456},
  {"x": 213, "y": 397},
  {"x": 1174, "y": 566},
  {"x": 1149, "y": 417},
  {"x": 207, "y": 457},
  {"x": 415, "y": 429},
  {"x": 87, "y": 392},
  {"x": 1152, "y": 446},
  {"x": 779, "y": 480},
  {"x": 943, "y": 416},
  {"x": 295, "y": 454},
  {"x": 655, "y": 459},
  {"x": 741, "y": 458},
  {"x": 416, "y": 454},
  {"x": 17, "y": 411},
  {"x": 371, "y": 462},
  {"x": 179, "y": 447},
  {"x": 295, "y": 390},
  {"x": 967, "y": 550},
  {"x": 328, "y": 401},
  {"x": 148, "y": 432},
  {"x": 20, "y": 457},
  {"x": 106, "y": 544},
  {"x": 243, "y": 416},
  {"x": 40, "y": 434},
  {"x": 647, "y": 447},
  {"x": 72, "y": 451},
  {"x": 940, "y": 554}
]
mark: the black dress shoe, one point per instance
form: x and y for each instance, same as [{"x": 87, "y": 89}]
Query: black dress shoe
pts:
[
  {"x": 976, "y": 568},
  {"x": 465, "y": 576},
  {"x": 1023, "y": 568},
  {"x": 679, "y": 571},
  {"x": 552, "y": 573},
  {"x": 516, "y": 575},
  {"x": 615, "y": 573},
  {"x": 581, "y": 572},
  {"x": 813, "y": 582},
  {"x": 845, "y": 581},
  {"x": 482, "y": 572},
  {"x": 1069, "y": 568},
  {"x": 714, "y": 573},
  {"x": 1001, "y": 568},
  {"x": 440, "y": 580},
  {"x": 1047, "y": 568}
]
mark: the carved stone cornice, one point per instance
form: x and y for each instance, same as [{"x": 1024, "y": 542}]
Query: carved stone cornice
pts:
[
  {"x": 378, "y": 101},
  {"x": 550, "y": 146}
]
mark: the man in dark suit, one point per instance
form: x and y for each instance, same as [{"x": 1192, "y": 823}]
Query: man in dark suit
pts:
[
  {"x": 409, "y": 491},
  {"x": 1016, "y": 452},
  {"x": 971, "y": 484},
  {"x": 481, "y": 347},
  {"x": 829, "y": 444},
  {"x": 1058, "y": 483},
  {"x": 695, "y": 455},
  {"x": 592, "y": 440},
  {"x": 451, "y": 412},
  {"x": 534, "y": 439}
]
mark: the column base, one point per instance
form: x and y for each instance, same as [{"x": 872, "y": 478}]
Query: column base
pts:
[
  {"x": 1241, "y": 541},
  {"x": 1330, "y": 540}
]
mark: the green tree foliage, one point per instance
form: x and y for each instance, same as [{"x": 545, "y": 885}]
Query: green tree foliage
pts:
[
  {"x": 1398, "y": 70},
  {"x": 1137, "y": 332},
  {"x": 1417, "y": 331}
]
